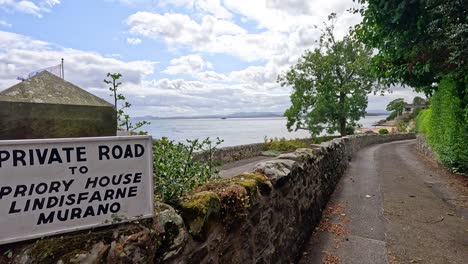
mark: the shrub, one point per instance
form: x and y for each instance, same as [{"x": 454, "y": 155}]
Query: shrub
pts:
[
  {"x": 383, "y": 131},
  {"x": 402, "y": 127},
  {"x": 283, "y": 144},
  {"x": 177, "y": 172},
  {"x": 319, "y": 140},
  {"x": 350, "y": 130}
]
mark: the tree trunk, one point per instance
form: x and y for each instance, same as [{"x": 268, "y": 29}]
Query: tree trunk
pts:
[
  {"x": 342, "y": 118},
  {"x": 343, "y": 127}
]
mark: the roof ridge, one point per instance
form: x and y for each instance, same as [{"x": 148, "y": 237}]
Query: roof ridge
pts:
[{"x": 48, "y": 88}]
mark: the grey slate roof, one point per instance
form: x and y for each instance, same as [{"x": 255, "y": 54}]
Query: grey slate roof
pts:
[{"x": 49, "y": 89}]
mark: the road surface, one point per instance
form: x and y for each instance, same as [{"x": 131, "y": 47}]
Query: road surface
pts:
[
  {"x": 238, "y": 167},
  {"x": 393, "y": 206}
]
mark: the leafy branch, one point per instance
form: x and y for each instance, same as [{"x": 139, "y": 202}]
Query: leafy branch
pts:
[{"x": 123, "y": 119}]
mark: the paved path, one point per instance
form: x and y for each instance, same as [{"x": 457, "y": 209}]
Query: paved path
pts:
[
  {"x": 238, "y": 167},
  {"x": 393, "y": 206}
]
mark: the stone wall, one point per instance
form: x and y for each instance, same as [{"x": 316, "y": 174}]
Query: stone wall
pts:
[
  {"x": 234, "y": 153},
  {"x": 261, "y": 217},
  {"x": 32, "y": 120},
  {"x": 423, "y": 147},
  {"x": 230, "y": 154}
]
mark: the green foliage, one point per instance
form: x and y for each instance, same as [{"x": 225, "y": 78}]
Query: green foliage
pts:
[
  {"x": 114, "y": 86},
  {"x": 447, "y": 131},
  {"x": 422, "y": 121},
  {"x": 318, "y": 140},
  {"x": 423, "y": 43},
  {"x": 413, "y": 114},
  {"x": 123, "y": 119},
  {"x": 419, "y": 101},
  {"x": 402, "y": 127},
  {"x": 397, "y": 107},
  {"x": 392, "y": 116},
  {"x": 282, "y": 144},
  {"x": 383, "y": 131},
  {"x": 418, "y": 41},
  {"x": 350, "y": 129},
  {"x": 330, "y": 85},
  {"x": 176, "y": 170}
]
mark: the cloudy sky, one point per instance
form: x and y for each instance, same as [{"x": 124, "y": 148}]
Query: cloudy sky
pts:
[{"x": 177, "y": 57}]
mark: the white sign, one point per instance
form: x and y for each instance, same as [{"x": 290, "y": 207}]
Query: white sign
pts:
[{"x": 52, "y": 186}]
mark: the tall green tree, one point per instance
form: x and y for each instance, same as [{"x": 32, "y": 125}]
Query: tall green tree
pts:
[
  {"x": 330, "y": 85},
  {"x": 396, "y": 106},
  {"x": 419, "y": 101},
  {"x": 418, "y": 42}
]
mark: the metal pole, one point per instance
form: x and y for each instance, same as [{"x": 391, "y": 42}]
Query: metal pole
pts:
[{"x": 63, "y": 71}]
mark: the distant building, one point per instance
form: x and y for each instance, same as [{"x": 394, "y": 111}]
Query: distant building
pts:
[
  {"x": 46, "y": 106},
  {"x": 409, "y": 108}
]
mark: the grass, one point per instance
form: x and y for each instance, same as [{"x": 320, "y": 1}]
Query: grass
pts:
[{"x": 284, "y": 145}]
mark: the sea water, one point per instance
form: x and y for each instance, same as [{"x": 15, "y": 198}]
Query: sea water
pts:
[{"x": 234, "y": 131}]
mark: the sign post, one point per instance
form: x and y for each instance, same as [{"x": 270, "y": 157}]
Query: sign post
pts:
[{"x": 53, "y": 186}]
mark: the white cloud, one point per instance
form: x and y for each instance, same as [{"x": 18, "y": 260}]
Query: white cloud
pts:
[
  {"x": 20, "y": 55},
  {"x": 284, "y": 16},
  {"x": 254, "y": 74},
  {"x": 51, "y": 3},
  {"x": 36, "y": 8},
  {"x": 21, "y": 42},
  {"x": 167, "y": 97},
  {"x": 193, "y": 65},
  {"x": 211, "y": 7},
  {"x": 291, "y": 6},
  {"x": 128, "y": 2},
  {"x": 29, "y": 8},
  {"x": 133, "y": 41},
  {"x": 211, "y": 35},
  {"x": 180, "y": 28},
  {"x": 188, "y": 64},
  {"x": 3, "y": 23},
  {"x": 282, "y": 30}
]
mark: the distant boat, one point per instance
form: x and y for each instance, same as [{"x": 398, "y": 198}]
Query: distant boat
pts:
[{"x": 223, "y": 117}]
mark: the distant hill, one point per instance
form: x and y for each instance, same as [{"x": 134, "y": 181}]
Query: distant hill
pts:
[
  {"x": 254, "y": 114},
  {"x": 235, "y": 115},
  {"x": 240, "y": 115}
]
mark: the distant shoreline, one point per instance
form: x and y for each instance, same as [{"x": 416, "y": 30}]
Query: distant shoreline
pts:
[{"x": 234, "y": 116}]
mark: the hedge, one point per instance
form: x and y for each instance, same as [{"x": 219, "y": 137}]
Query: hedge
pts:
[
  {"x": 422, "y": 121},
  {"x": 445, "y": 126}
]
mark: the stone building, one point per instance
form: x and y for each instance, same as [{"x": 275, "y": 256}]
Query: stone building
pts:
[{"x": 46, "y": 106}]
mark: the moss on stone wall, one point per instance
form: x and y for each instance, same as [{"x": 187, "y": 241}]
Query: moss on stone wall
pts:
[
  {"x": 226, "y": 199},
  {"x": 198, "y": 209},
  {"x": 253, "y": 182}
]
